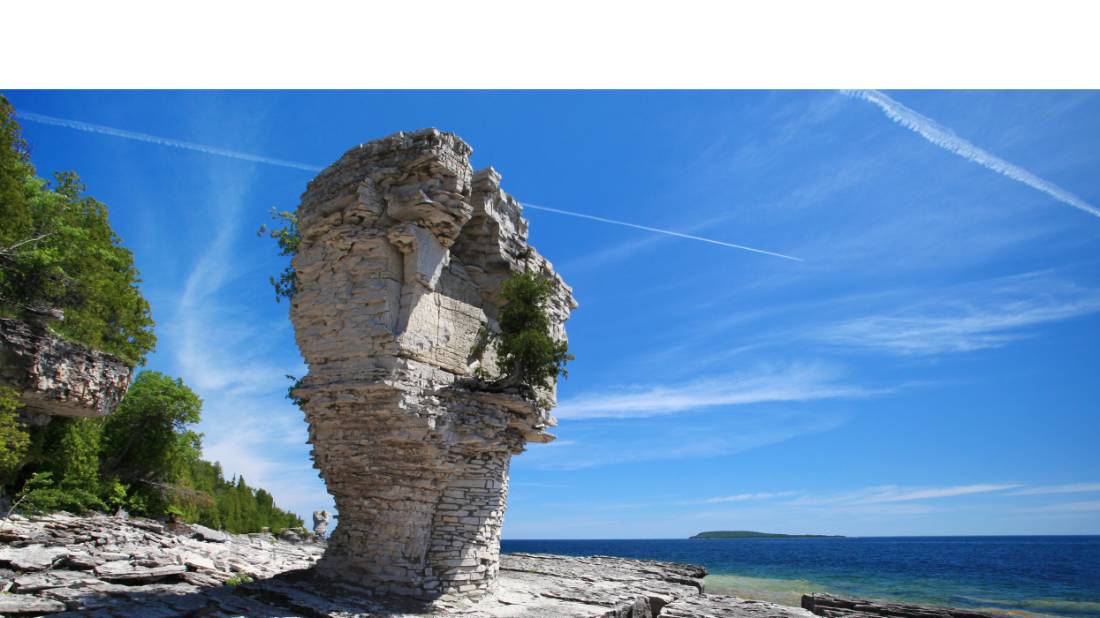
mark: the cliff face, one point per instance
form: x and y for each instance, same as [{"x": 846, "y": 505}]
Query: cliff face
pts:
[
  {"x": 56, "y": 377},
  {"x": 403, "y": 250}
]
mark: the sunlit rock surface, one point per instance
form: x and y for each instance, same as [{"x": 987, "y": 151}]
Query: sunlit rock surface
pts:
[{"x": 403, "y": 251}]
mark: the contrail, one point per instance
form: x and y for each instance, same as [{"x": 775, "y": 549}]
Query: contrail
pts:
[
  {"x": 243, "y": 156},
  {"x": 945, "y": 138},
  {"x": 660, "y": 231},
  {"x": 163, "y": 141}
]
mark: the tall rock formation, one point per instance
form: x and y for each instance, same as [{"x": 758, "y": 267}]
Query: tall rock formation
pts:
[{"x": 403, "y": 250}]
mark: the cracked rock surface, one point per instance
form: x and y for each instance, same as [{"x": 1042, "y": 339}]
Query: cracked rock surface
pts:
[{"x": 108, "y": 567}]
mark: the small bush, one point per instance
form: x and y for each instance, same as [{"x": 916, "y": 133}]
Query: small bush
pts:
[
  {"x": 527, "y": 353},
  {"x": 237, "y": 580}
]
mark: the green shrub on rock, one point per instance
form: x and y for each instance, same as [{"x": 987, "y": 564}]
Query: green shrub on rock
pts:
[{"x": 528, "y": 355}]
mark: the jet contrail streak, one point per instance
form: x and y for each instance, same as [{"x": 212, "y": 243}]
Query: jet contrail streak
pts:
[
  {"x": 660, "y": 231},
  {"x": 233, "y": 154},
  {"x": 945, "y": 138},
  {"x": 163, "y": 141}
]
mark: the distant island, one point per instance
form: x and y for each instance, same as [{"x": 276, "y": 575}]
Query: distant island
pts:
[{"x": 746, "y": 534}]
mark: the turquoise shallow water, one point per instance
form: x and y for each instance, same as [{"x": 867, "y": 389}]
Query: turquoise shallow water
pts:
[{"x": 1054, "y": 575}]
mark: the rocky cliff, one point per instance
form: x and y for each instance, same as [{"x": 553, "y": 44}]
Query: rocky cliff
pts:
[
  {"x": 403, "y": 250},
  {"x": 57, "y": 377}
]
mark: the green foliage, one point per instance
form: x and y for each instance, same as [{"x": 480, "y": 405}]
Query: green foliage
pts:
[
  {"x": 114, "y": 494},
  {"x": 287, "y": 237},
  {"x": 526, "y": 351},
  {"x": 15, "y": 440},
  {"x": 71, "y": 452},
  {"x": 64, "y": 454},
  {"x": 237, "y": 580},
  {"x": 234, "y": 506},
  {"x": 58, "y": 251},
  {"x": 143, "y": 458},
  {"x": 146, "y": 442},
  {"x": 294, "y": 384},
  {"x": 40, "y": 494}
]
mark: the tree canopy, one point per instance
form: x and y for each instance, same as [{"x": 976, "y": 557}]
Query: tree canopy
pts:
[
  {"x": 58, "y": 251},
  {"x": 145, "y": 458}
]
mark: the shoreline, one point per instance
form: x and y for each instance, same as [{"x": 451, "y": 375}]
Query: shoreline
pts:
[{"x": 62, "y": 562}]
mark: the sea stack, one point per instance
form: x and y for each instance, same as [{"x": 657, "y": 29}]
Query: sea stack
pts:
[{"x": 403, "y": 251}]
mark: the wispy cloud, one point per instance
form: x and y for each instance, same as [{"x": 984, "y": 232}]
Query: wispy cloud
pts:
[
  {"x": 1085, "y": 506},
  {"x": 1073, "y": 488},
  {"x": 651, "y": 440},
  {"x": 658, "y": 230},
  {"x": 244, "y": 156},
  {"x": 162, "y": 141},
  {"x": 801, "y": 382},
  {"x": 896, "y": 494},
  {"x": 231, "y": 358},
  {"x": 982, "y": 315},
  {"x": 946, "y": 138},
  {"x": 879, "y": 494},
  {"x": 749, "y": 497}
]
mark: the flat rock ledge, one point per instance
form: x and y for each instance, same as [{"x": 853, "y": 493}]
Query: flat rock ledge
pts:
[
  {"x": 110, "y": 567},
  {"x": 835, "y": 607}
]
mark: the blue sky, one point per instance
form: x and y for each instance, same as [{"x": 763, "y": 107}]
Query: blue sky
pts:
[{"x": 928, "y": 367}]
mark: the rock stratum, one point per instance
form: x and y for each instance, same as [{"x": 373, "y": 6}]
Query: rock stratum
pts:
[
  {"x": 403, "y": 249},
  {"x": 57, "y": 377}
]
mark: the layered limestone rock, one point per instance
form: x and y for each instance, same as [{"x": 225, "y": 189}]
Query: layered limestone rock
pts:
[
  {"x": 111, "y": 567},
  {"x": 56, "y": 377},
  {"x": 403, "y": 251}
]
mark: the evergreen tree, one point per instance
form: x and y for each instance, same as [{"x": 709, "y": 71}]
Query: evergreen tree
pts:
[
  {"x": 15, "y": 440},
  {"x": 58, "y": 251}
]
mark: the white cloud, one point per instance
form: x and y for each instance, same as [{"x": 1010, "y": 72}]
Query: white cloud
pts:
[
  {"x": 894, "y": 494},
  {"x": 1073, "y": 488},
  {"x": 973, "y": 317},
  {"x": 630, "y": 444},
  {"x": 945, "y": 138},
  {"x": 1086, "y": 506},
  {"x": 234, "y": 360},
  {"x": 886, "y": 494},
  {"x": 768, "y": 384},
  {"x": 749, "y": 497}
]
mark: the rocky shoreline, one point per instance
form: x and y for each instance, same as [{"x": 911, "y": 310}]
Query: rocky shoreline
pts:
[{"x": 111, "y": 567}]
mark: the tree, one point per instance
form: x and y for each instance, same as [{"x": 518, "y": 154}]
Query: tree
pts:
[
  {"x": 288, "y": 239},
  {"x": 58, "y": 251},
  {"x": 14, "y": 438},
  {"x": 527, "y": 353},
  {"x": 146, "y": 442}
]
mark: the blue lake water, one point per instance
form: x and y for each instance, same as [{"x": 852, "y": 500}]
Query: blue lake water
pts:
[{"x": 1023, "y": 575}]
